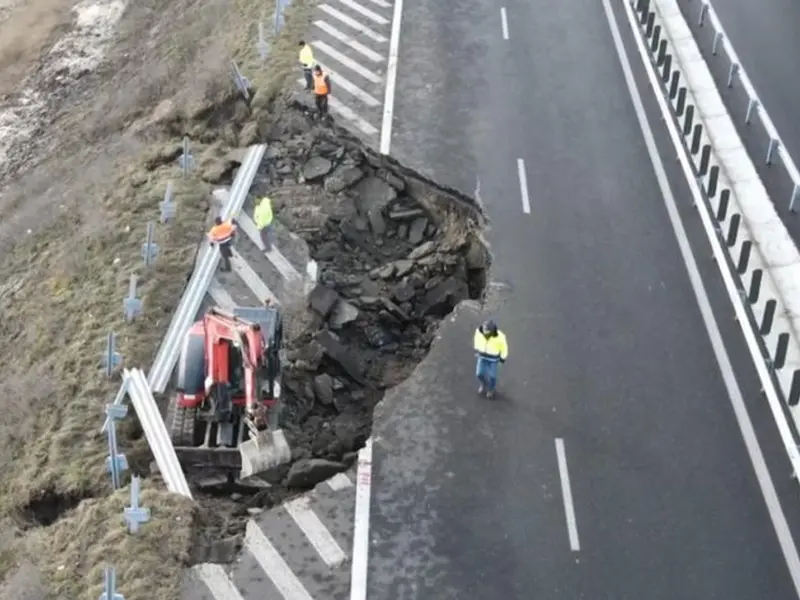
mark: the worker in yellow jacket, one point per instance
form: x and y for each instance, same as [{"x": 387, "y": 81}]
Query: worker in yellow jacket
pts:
[
  {"x": 491, "y": 349},
  {"x": 264, "y": 222},
  {"x": 307, "y": 63}
]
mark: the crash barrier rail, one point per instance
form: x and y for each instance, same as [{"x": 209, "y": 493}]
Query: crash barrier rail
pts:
[
  {"x": 758, "y": 260},
  {"x": 736, "y": 72}
]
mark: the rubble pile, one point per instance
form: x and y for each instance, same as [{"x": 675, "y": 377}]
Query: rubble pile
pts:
[{"x": 395, "y": 254}]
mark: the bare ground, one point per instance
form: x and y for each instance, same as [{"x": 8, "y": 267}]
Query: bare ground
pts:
[{"x": 86, "y": 149}]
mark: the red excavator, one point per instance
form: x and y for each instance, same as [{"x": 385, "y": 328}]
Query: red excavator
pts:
[{"x": 227, "y": 387}]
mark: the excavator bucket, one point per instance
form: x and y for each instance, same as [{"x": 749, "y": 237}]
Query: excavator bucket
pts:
[{"x": 269, "y": 449}]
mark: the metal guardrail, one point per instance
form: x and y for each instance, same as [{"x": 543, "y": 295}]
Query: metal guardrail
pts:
[
  {"x": 159, "y": 374},
  {"x": 736, "y": 71}
]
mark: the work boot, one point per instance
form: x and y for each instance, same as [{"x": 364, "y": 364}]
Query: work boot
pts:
[
  {"x": 490, "y": 394},
  {"x": 480, "y": 389}
]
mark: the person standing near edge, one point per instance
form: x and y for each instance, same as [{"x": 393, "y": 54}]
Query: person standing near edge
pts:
[
  {"x": 222, "y": 234},
  {"x": 491, "y": 348},
  {"x": 263, "y": 218},
  {"x": 307, "y": 62},
  {"x": 322, "y": 87}
]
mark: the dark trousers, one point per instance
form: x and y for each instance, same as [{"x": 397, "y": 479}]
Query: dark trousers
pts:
[
  {"x": 322, "y": 104},
  {"x": 226, "y": 253},
  {"x": 266, "y": 237},
  {"x": 309, "y": 79}
]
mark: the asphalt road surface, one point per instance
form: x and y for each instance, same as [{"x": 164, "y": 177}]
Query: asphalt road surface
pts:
[
  {"x": 609, "y": 351},
  {"x": 764, "y": 35}
]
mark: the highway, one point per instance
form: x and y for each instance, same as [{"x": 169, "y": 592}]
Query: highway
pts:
[
  {"x": 609, "y": 349},
  {"x": 764, "y": 35}
]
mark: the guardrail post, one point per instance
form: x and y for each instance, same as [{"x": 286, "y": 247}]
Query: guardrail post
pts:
[
  {"x": 167, "y": 205},
  {"x": 651, "y": 19},
  {"x": 769, "y": 317},
  {"x": 751, "y": 106},
  {"x": 667, "y": 68},
  {"x": 733, "y": 230},
  {"x": 240, "y": 81},
  {"x": 662, "y": 53},
  {"x": 681, "y": 102},
  {"x": 781, "y": 350},
  {"x": 673, "y": 85},
  {"x": 705, "y": 159},
  {"x": 717, "y": 39},
  {"x": 732, "y": 73},
  {"x": 149, "y": 248},
  {"x": 645, "y": 12},
  {"x": 186, "y": 160},
  {"x": 687, "y": 123},
  {"x": 773, "y": 145},
  {"x": 655, "y": 39},
  {"x": 110, "y": 587},
  {"x": 744, "y": 257},
  {"x": 111, "y": 358},
  {"x": 722, "y": 209},
  {"x": 794, "y": 389},
  {"x": 116, "y": 462},
  {"x": 135, "y": 515},
  {"x": 795, "y": 196},
  {"x": 261, "y": 43},
  {"x": 131, "y": 304},
  {"x": 695, "y": 145},
  {"x": 755, "y": 286},
  {"x": 703, "y": 10},
  {"x": 713, "y": 179}
]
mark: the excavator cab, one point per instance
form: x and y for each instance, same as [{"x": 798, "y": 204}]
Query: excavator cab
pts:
[{"x": 226, "y": 389}]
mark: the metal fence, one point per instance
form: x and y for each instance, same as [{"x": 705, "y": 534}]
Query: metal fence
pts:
[{"x": 134, "y": 384}]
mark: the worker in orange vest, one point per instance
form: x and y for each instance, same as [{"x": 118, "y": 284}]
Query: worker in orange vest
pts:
[
  {"x": 222, "y": 234},
  {"x": 322, "y": 87}
]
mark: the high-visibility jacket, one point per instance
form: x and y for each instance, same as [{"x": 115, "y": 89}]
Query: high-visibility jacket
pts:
[
  {"x": 320, "y": 84},
  {"x": 306, "y": 57},
  {"x": 494, "y": 347},
  {"x": 222, "y": 233},
  {"x": 263, "y": 213}
]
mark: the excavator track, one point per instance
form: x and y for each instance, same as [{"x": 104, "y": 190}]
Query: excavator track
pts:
[{"x": 182, "y": 424}]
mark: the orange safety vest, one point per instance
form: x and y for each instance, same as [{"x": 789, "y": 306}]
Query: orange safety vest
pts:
[
  {"x": 320, "y": 87},
  {"x": 222, "y": 233}
]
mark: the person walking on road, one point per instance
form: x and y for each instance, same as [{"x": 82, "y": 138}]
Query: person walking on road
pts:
[
  {"x": 264, "y": 221},
  {"x": 307, "y": 62},
  {"x": 222, "y": 234},
  {"x": 322, "y": 87},
  {"x": 491, "y": 348}
]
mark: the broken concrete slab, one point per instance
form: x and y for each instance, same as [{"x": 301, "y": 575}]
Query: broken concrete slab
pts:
[
  {"x": 342, "y": 178},
  {"x": 316, "y": 167},
  {"x": 403, "y": 267},
  {"x": 341, "y": 355},
  {"x": 322, "y": 300},
  {"x": 323, "y": 388},
  {"x": 308, "y": 472},
  {"x": 422, "y": 250},
  {"x": 416, "y": 233},
  {"x": 343, "y": 313}
]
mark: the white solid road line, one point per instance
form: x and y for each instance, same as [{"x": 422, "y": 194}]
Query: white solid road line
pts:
[
  {"x": 217, "y": 581},
  {"x": 504, "y": 22},
  {"x": 316, "y": 532},
  {"x": 338, "y": 107},
  {"x": 358, "y": 571},
  {"x": 352, "y": 23},
  {"x": 391, "y": 79},
  {"x": 273, "y": 565},
  {"x": 523, "y": 186},
  {"x": 566, "y": 492},
  {"x": 351, "y": 88},
  {"x": 241, "y": 267},
  {"x": 347, "y": 62},
  {"x": 763, "y": 476},
  {"x": 365, "y": 12},
  {"x": 340, "y": 481},
  {"x": 346, "y": 39},
  {"x": 220, "y": 295}
]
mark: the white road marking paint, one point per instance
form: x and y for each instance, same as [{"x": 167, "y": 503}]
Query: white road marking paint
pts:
[
  {"x": 566, "y": 492},
  {"x": 315, "y": 530},
  {"x": 278, "y": 260},
  {"x": 365, "y": 12},
  {"x": 358, "y": 572},
  {"x": 351, "y": 88},
  {"x": 346, "y": 61},
  {"x": 352, "y": 23},
  {"x": 338, "y": 107},
  {"x": 391, "y": 78},
  {"x": 217, "y": 581},
  {"x": 273, "y": 565},
  {"x": 251, "y": 278},
  {"x": 763, "y": 476},
  {"x": 504, "y": 22},
  {"x": 346, "y": 39},
  {"x": 523, "y": 186},
  {"x": 220, "y": 295},
  {"x": 340, "y": 481}
]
